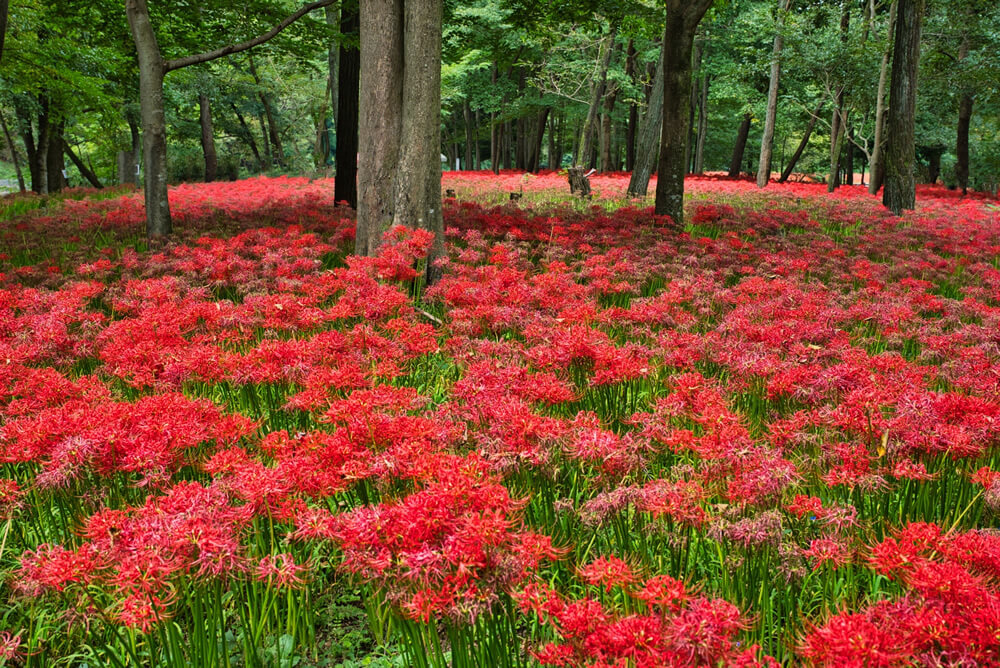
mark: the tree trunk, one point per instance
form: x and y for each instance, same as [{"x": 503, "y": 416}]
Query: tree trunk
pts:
[
  {"x": 154, "y": 123},
  {"x": 735, "y": 165},
  {"x": 536, "y": 145},
  {"x": 268, "y": 156},
  {"x": 554, "y": 159},
  {"x": 475, "y": 156},
  {"x": 631, "y": 71},
  {"x": 30, "y": 147},
  {"x": 277, "y": 150},
  {"x": 962, "y": 143},
  {"x": 13, "y": 151},
  {"x": 606, "y": 129},
  {"x": 682, "y": 18},
  {"x": 85, "y": 171},
  {"x": 333, "y": 62},
  {"x": 900, "y": 183},
  {"x": 208, "y": 138},
  {"x": 964, "y": 120},
  {"x": 934, "y": 165},
  {"x": 3, "y": 26},
  {"x": 837, "y": 128},
  {"x": 877, "y": 169},
  {"x": 849, "y": 159},
  {"x": 345, "y": 185},
  {"x": 692, "y": 138},
  {"x": 699, "y": 153},
  {"x": 55, "y": 162},
  {"x": 247, "y": 136},
  {"x": 802, "y": 145},
  {"x": 469, "y": 135},
  {"x": 767, "y": 142},
  {"x": 597, "y": 94},
  {"x": 418, "y": 178},
  {"x": 381, "y": 116},
  {"x": 649, "y": 134}
]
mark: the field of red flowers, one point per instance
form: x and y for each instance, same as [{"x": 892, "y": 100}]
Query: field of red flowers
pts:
[{"x": 770, "y": 438}]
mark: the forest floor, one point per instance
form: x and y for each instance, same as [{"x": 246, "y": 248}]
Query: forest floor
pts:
[{"x": 597, "y": 441}]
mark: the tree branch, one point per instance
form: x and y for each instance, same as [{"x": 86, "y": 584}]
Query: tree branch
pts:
[{"x": 186, "y": 61}]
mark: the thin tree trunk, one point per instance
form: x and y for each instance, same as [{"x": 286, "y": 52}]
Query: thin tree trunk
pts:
[
  {"x": 380, "y": 119},
  {"x": 964, "y": 121},
  {"x": 837, "y": 131},
  {"x": 536, "y": 146},
  {"x": 802, "y": 145},
  {"x": 56, "y": 163},
  {"x": 692, "y": 137},
  {"x": 767, "y": 142},
  {"x": 154, "y": 123},
  {"x": 13, "y": 151},
  {"x": 268, "y": 156},
  {"x": 478, "y": 162},
  {"x": 597, "y": 94},
  {"x": 649, "y": 135},
  {"x": 736, "y": 163},
  {"x": 469, "y": 135},
  {"x": 900, "y": 182},
  {"x": 682, "y": 19},
  {"x": 85, "y": 171},
  {"x": 607, "y": 130},
  {"x": 208, "y": 138},
  {"x": 30, "y": 146},
  {"x": 633, "y": 109},
  {"x": 247, "y": 136},
  {"x": 849, "y": 167},
  {"x": 554, "y": 160},
  {"x": 277, "y": 150},
  {"x": 345, "y": 185},
  {"x": 699, "y": 154},
  {"x": 333, "y": 62},
  {"x": 877, "y": 170}
]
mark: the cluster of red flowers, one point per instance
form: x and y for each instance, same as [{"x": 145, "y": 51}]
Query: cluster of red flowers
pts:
[{"x": 735, "y": 410}]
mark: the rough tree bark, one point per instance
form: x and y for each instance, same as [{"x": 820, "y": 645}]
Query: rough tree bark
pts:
[
  {"x": 381, "y": 119},
  {"x": 877, "y": 169},
  {"x": 345, "y": 185},
  {"x": 900, "y": 183},
  {"x": 597, "y": 94},
  {"x": 208, "y": 138},
  {"x": 736, "y": 163},
  {"x": 152, "y": 69},
  {"x": 767, "y": 142},
  {"x": 649, "y": 134},
  {"x": 682, "y": 19}
]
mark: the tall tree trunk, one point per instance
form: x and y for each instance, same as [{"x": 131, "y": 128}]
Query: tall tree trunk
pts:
[
  {"x": 418, "y": 179},
  {"x": 650, "y": 126},
  {"x": 56, "y": 163},
  {"x": 736, "y": 163},
  {"x": 837, "y": 130},
  {"x": 682, "y": 19},
  {"x": 962, "y": 143},
  {"x": 692, "y": 137},
  {"x": 555, "y": 160},
  {"x": 849, "y": 167},
  {"x": 470, "y": 135},
  {"x": 13, "y": 152},
  {"x": 767, "y": 142},
  {"x": 247, "y": 136},
  {"x": 877, "y": 169},
  {"x": 536, "y": 144},
  {"x": 154, "y": 121},
  {"x": 85, "y": 171},
  {"x": 381, "y": 119},
  {"x": 277, "y": 149},
  {"x": 268, "y": 155},
  {"x": 900, "y": 182},
  {"x": 345, "y": 185},
  {"x": 208, "y": 138},
  {"x": 333, "y": 61},
  {"x": 631, "y": 71},
  {"x": 964, "y": 121},
  {"x": 606, "y": 129},
  {"x": 475, "y": 157},
  {"x": 699, "y": 153},
  {"x": 597, "y": 94},
  {"x": 30, "y": 146},
  {"x": 787, "y": 171}
]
